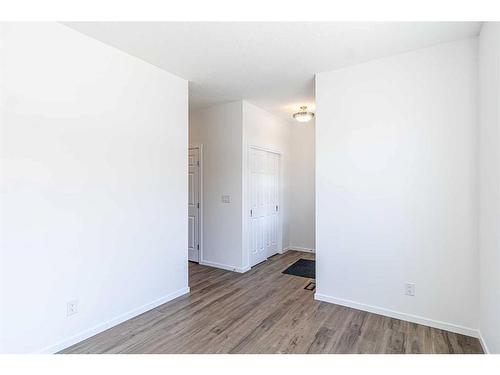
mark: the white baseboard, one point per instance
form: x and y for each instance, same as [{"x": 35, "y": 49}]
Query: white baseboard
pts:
[
  {"x": 298, "y": 248},
  {"x": 483, "y": 344},
  {"x": 225, "y": 266},
  {"x": 399, "y": 315},
  {"x": 75, "y": 339}
]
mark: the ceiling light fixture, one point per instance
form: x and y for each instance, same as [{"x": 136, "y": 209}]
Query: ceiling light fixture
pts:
[{"x": 303, "y": 115}]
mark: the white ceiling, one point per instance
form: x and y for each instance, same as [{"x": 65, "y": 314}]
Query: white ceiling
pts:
[{"x": 269, "y": 64}]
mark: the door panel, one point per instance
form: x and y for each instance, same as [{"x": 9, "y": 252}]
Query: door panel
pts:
[
  {"x": 193, "y": 205},
  {"x": 264, "y": 205},
  {"x": 274, "y": 202}
]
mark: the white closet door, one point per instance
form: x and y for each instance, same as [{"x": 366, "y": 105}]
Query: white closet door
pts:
[
  {"x": 273, "y": 207},
  {"x": 194, "y": 205},
  {"x": 264, "y": 204}
]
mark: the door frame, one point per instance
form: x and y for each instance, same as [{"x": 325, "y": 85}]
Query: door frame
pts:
[
  {"x": 200, "y": 155},
  {"x": 279, "y": 244}
]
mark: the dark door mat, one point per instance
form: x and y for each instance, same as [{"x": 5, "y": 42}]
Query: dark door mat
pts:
[{"x": 302, "y": 268}]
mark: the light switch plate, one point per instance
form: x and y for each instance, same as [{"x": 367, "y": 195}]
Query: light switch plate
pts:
[{"x": 226, "y": 199}]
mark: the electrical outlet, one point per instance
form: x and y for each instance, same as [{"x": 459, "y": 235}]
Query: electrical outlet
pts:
[
  {"x": 71, "y": 308},
  {"x": 410, "y": 289},
  {"x": 226, "y": 199}
]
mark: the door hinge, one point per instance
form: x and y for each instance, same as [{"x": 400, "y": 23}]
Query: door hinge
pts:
[
  {"x": 251, "y": 213},
  {"x": 276, "y": 208},
  {"x": 198, "y": 205},
  {"x": 198, "y": 163},
  {"x": 198, "y": 247}
]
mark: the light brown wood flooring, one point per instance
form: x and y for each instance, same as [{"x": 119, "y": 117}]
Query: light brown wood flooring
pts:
[{"x": 265, "y": 311}]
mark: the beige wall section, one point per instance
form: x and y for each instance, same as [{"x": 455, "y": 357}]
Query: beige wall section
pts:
[{"x": 219, "y": 129}]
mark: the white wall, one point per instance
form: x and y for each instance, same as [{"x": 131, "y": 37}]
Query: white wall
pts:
[
  {"x": 93, "y": 186},
  {"x": 489, "y": 78},
  {"x": 265, "y": 130},
  {"x": 396, "y": 185},
  {"x": 219, "y": 129},
  {"x": 302, "y": 214}
]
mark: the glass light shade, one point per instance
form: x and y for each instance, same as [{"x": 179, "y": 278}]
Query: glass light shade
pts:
[{"x": 303, "y": 115}]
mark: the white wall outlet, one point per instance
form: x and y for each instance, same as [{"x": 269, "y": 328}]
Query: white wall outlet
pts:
[
  {"x": 71, "y": 308},
  {"x": 226, "y": 199},
  {"x": 410, "y": 289}
]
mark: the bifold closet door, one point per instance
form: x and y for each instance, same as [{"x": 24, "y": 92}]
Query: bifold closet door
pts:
[
  {"x": 264, "y": 204},
  {"x": 194, "y": 205}
]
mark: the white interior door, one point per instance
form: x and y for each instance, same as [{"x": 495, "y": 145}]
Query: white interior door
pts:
[
  {"x": 194, "y": 205},
  {"x": 273, "y": 165},
  {"x": 264, "y": 204}
]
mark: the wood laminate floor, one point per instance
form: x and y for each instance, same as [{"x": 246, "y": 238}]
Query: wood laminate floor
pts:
[{"x": 265, "y": 311}]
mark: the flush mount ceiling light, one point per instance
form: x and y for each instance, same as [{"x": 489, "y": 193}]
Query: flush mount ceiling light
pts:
[{"x": 303, "y": 115}]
